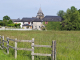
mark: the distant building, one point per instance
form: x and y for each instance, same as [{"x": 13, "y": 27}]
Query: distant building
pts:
[
  {"x": 40, "y": 14},
  {"x": 36, "y": 22}
]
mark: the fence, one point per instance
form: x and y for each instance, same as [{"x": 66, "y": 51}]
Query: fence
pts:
[{"x": 53, "y": 55}]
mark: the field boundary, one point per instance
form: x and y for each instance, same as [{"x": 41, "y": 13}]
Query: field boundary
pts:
[{"x": 2, "y": 41}]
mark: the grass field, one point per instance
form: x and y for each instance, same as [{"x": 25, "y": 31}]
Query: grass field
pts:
[{"x": 67, "y": 48}]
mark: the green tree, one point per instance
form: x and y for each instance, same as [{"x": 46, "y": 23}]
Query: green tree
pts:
[
  {"x": 17, "y": 25},
  {"x": 61, "y": 13},
  {"x": 79, "y": 10},
  {"x": 6, "y": 17},
  {"x": 53, "y": 25},
  {"x": 10, "y": 22},
  {"x": 71, "y": 19},
  {"x": 1, "y": 23},
  {"x": 5, "y": 22}
]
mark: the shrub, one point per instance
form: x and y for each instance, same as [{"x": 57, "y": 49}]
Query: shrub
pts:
[
  {"x": 43, "y": 28},
  {"x": 53, "y": 26}
]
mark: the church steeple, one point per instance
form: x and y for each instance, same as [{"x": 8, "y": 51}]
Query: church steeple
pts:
[
  {"x": 40, "y": 11},
  {"x": 40, "y": 14}
]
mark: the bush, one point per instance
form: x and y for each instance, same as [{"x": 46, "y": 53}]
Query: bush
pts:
[
  {"x": 0, "y": 27},
  {"x": 43, "y": 28},
  {"x": 53, "y": 25},
  {"x": 27, "y": 26},
  {"x": 1, "y": 23},
  {"x": 11, "y": 25},
  {"x": 14, "y": 25}
]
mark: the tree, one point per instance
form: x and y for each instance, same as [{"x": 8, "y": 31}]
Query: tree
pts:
[
  {"x": 1, "y": 23},
  {"x": 6, "y": 17},
  {"x": 10, "y": 22},
  {"x": 71, "y": 19},
  {"x": 53, "y": 25},
  {"x": 5, "y": 22},
  {"x": 61, "y": 13},
  {"x": 79, "y": 10}
]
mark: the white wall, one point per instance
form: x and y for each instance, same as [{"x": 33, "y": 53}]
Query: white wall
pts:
[
  {"x": 20, "y": 23},
  {"x": 36, "y": 25},
  {"x": 27, "y": 23}
]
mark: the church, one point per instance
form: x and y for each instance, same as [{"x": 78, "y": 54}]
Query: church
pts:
[{"x": 36, "y": 22}]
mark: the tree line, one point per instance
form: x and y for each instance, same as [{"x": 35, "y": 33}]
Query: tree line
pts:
[
  {"x": 70, "y": 20},
  {"x": 8, "y": 22}
]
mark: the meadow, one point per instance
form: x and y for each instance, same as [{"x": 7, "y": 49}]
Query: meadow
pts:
[{"x": 67, "y": 47}]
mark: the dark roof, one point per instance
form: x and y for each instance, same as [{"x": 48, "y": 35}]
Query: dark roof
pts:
[
  {"x": 27, "y": 19},
  {"x": 37, "y": 20},
  {"x": 46, "y": 18},
  {"x": 30, "y": 20},
  {"x": 17, "y": 20},
  {"x": 52, "y": 18},
  {"x": 26, "y": 25},
  {"x": 13, "y": 20}
]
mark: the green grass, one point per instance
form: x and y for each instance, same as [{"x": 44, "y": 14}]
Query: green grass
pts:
[{"x": 67, "y": 48}]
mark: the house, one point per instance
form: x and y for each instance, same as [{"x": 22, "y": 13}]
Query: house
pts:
[{"x": 36, "y": 22}]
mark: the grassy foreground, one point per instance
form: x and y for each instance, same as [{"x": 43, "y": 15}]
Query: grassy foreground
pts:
[{"x": 68, "y": 44}]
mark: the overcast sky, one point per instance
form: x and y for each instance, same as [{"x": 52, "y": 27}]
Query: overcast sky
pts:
[{"x": 29, "y": 8}]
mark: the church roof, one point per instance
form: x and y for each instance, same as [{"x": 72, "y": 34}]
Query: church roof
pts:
[
  {"x": 52, "y": 18},
  {"x": 40, "y": 11}
]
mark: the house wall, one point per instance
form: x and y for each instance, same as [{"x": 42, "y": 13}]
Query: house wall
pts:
[
  {"x": 37, "y": 25},
  {"x": 27, "y": 23},
  {"x": 25, "y": 27},
  {"x": 20, "y": 23}
]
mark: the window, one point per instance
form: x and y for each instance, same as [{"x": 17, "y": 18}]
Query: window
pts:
[
  {"x": 35, "y": 26},
  {"x": 39, "y": 26},
  {"x": 28, "y": 22},
  {"x": 46, "y": 22}
]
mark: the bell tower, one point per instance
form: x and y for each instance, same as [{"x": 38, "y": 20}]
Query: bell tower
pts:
[{"x": 40, "y": 14}]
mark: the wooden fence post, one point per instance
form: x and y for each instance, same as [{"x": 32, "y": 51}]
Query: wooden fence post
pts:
[
  {"x": 7, "y": 45},
  {"x": 53, "y": 50},
  {"x": 32, "y": 48},
  {"x": 2, "y": 41},
  {"x": 15, "y": 47}
]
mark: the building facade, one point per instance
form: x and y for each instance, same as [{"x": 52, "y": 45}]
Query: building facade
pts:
[{"x": 36, "y": 22}]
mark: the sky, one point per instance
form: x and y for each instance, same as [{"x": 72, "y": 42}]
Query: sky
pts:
[{"x": 28, "y": 8}]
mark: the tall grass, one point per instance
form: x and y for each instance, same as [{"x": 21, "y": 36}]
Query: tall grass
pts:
[{"x": 68, "y": 44}]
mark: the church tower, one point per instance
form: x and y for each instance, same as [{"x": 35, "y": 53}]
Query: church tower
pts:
[{"x": 40, "y": 14}]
